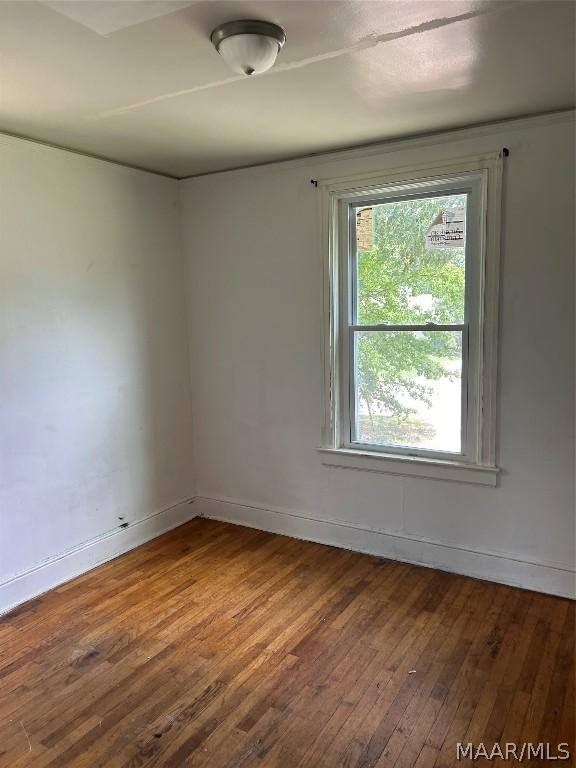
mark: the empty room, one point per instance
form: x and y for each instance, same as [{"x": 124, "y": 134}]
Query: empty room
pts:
[{"x": 287, "y": 383}]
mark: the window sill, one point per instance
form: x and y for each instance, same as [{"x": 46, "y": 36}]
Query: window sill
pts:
[{"x": 413, "y": 466}]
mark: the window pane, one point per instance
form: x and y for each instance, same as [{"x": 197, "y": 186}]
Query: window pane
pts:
[
  {"x": 410, "y": 261},
  {"x": 407, "y": 387}
]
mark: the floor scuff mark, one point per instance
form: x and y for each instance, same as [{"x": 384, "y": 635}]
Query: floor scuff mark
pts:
[{"x": 27, "y": 737}]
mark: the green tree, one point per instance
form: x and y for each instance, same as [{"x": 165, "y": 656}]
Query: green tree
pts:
[{"x": 399, "y": 281}]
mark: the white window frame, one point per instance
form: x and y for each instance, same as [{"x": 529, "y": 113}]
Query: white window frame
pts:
[{"x": 480, "y": 179}]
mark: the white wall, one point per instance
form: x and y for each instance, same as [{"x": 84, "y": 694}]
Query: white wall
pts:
[
  {"x": 252, "y": 243},
  {"x": 95, "y": 416}
]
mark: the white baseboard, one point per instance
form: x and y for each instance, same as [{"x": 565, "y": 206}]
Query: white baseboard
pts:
[
  {"x": 503, "y": 568},
  {"x": 66, "y": 566}
]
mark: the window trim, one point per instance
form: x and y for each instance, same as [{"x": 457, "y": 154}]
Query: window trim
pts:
[{"x": 337, "y": 193}]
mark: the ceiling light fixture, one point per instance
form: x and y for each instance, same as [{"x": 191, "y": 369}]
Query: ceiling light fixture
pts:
[{"x": 249, "y": 47}]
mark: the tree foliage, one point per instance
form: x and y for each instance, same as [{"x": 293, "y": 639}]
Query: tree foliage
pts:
[{"x": 399, "y": 281}]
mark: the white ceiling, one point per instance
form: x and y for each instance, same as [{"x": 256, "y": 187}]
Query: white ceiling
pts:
[{"x": 139, "y": 82}]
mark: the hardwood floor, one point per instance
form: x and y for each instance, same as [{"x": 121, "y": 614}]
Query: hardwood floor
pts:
[{"x": 216, "y": 645}]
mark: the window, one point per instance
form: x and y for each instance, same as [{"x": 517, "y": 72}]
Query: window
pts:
[{"x": 412, "y": 322}]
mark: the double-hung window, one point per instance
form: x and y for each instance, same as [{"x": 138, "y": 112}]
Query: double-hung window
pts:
[{"x": 411, "y": 363}]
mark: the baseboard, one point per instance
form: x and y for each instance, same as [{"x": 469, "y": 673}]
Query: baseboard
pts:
[
  {"x": 66, "y": 566},
  {"x": 503, "y": 568}
]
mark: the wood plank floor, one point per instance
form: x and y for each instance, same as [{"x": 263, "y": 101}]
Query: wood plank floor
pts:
[{"x": 217, "y": 645}]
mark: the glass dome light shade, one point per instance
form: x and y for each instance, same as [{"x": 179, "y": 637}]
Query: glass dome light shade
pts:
[
  {"x": 248, "y": 46},
  {"x": 249, "y": 54}
]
